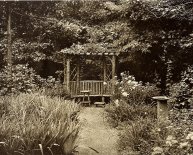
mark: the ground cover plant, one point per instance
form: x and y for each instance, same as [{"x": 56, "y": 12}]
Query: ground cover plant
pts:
[{"x": 32, "y": 124}]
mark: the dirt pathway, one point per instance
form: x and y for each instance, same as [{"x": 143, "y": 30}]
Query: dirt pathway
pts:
[{"x": 96, "y": 136}]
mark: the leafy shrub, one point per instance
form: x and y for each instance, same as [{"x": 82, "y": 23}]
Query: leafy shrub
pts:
[
  {"x": 141, "y": 135},
  {"x": 18, "y": 78},
  {"x": 37, "y": 124},
  {"x": 179, "y": 140},
  {"x": 182, "y": 92},
  {"x": 21, "y": 78},
  {"x": 126, "y": 113},
  {"x": 54, "y": 88}
]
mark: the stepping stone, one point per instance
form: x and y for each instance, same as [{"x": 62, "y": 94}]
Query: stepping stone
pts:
[{"x": 99, "y": 103}]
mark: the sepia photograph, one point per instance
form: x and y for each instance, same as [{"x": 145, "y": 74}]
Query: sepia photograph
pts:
[{"x": 96, "y": 77}]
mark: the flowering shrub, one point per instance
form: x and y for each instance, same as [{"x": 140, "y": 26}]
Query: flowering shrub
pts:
[
  {"x": 142, "y": 134},
  {"x": 181, "y": 144},
  {"x": 134, "y": 92},
  {"x": 133, "y": 113},
  {"x": 147, "y": 136}
]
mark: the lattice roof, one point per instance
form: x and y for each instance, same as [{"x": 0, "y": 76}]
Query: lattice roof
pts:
[{"x": 90, "y": 49}]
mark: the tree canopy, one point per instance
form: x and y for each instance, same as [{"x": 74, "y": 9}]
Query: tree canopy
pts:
[{"x": 154, "y": 33}]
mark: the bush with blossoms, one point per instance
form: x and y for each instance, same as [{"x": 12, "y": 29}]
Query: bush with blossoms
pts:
[
  {"x": 134, "y": 92},
  {"x": 131, "y": 101},
  {"x": 141, "y": 133},
  {"x": 178, "y": 142}
]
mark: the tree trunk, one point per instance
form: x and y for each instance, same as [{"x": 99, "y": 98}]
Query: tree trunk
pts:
[{"x": 9, "y": 50}]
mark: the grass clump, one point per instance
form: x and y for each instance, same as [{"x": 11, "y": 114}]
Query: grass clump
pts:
[{"x": 33, "y": 124}]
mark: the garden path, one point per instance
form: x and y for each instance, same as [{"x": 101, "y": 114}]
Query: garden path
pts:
[{"x": 96, "y": 136}]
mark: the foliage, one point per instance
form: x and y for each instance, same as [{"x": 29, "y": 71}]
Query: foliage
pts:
[
  {"x": 133, "y": 92},
  {"x": 140, "y": 131},
  {"x": 140, "y": 28},
  {"x": 132, "y": 101},
  {"x": 18, "y": 78},
  {"x": 147, "y": 136},
  {"x": 37, "y": 124},
  {"x": 179, "y": 137},
  {"x": 54, "y": 88},
  {"x": 125, "y": 113},
  {"x": 134, "y": 113},
  {"x": 141, "y": 135},
  {"x": 182, "y": 92},
  {"x": 154, "y": 41}
]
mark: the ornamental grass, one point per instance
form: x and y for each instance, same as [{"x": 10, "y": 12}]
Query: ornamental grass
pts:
[{"x": 33, "y": 124}]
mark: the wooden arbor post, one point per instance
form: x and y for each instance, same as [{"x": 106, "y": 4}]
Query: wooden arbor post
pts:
[
  {"x": 104, "y": 78},
  {"x": 104, "y": 70},
  {"x": 78, "y": 76},
  {"x": 113, "y": 72},
  {"x": 67, "y": 73}
]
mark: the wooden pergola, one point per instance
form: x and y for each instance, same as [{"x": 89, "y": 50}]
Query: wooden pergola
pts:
[{"x": 99, "y": 88}]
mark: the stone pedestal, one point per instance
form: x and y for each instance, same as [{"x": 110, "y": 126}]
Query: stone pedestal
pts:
[{"x": 162, "y": 107}]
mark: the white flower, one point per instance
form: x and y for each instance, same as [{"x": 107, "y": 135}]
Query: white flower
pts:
[
  {"x": 122, "y": 74},
  {"x": 29, "y": 90},
  {"x": 170, "y": 140},
  {"x": 116, "y": 102},
  {"x": 135, "y": 83},
  {"x": 133, "y": 87},
  {"x": 184, "y": 144},
  {"x": 125, "y": 94},
  {"x": 129, "y": 81},
  {"x": 158, "y": 129},
  {"x": 157, "y": 150},
  {"x": 104, "y": 83},
  {"x": 190, "y": 136}
]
